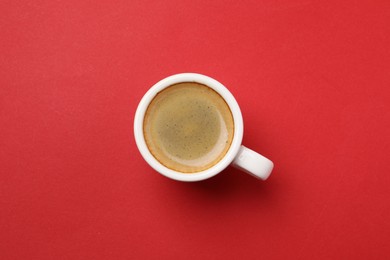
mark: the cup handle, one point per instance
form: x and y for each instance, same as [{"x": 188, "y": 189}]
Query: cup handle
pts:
[{"x": 253, "y": 163}]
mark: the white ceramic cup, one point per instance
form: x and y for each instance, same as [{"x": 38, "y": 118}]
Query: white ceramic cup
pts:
[{"x": 238, "y": 155}]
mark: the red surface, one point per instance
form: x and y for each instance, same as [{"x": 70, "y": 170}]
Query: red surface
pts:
[{"x": 312, "y": 79}]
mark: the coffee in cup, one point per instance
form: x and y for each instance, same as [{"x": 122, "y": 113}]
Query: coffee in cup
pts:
[{"x": 188, "y": 127}]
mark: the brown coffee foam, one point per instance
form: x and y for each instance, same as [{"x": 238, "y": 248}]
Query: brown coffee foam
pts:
[{"x": 188, "y": 127}]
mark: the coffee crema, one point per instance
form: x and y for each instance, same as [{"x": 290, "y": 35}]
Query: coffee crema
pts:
[{"x": 188, "y": 127}]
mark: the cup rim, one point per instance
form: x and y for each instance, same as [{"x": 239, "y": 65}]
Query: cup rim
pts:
[{"x": 221, "y": 90}]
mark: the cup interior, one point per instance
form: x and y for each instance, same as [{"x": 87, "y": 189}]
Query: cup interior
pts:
[{"x": 221, "y": 90}]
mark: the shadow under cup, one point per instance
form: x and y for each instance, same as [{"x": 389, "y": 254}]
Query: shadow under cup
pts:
[{"x": 188, "y": 127}]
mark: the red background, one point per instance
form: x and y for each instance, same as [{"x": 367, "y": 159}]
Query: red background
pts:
[{"x": 312, "y": 79}]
